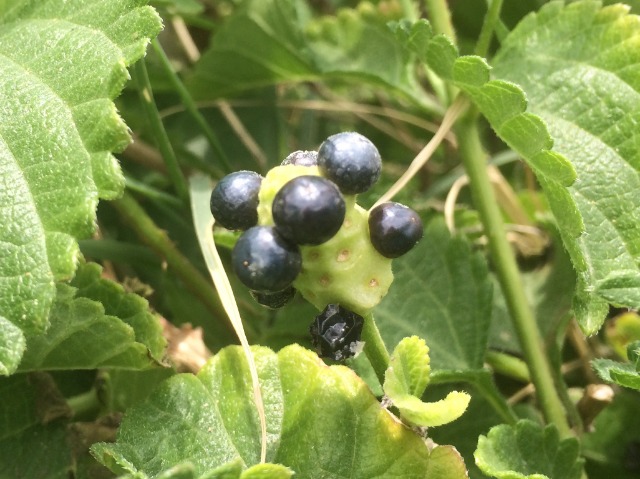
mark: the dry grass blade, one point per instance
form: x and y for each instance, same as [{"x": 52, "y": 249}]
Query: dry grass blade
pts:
[
  {"x": 200, "y": 192},
  {"x": 421, "y": 159}
]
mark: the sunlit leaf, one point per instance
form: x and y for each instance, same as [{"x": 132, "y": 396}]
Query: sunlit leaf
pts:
[
  {"x": 62, "y": 63},
  {"x": 528, "y": 451},
  {"x": 95, "y": 323},
  {"x": 211, "y": 420},
  {"x": 579, "y": 67}
]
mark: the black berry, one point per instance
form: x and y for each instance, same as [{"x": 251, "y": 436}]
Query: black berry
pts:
[
  {"x": 394, "y": 229},
  {"x": 234, "y": 200},
  {"x": 335, "y": 332},
  {"x": 351, "y": 161},
  {"x": 308, "y": 210},
  {"x": 301, "y": 158},
  {"x": 274, "y": 300},
  {"x": 264, "y": 261}
]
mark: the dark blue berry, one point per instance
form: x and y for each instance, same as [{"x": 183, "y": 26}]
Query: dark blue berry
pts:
[
  {"x": 234, "y": 200},
  {"x": 335, "y": 332},
  {"x": 301, "y": 158},
  {"x": 274, "y": 300},
  {"x": 394, "y": 229},
  {"x": 264, "y": 261},
  {"x": 308, "y": 210},
  {"x": 351, "y": 161}
]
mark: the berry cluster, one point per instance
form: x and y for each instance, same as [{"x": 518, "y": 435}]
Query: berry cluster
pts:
[{"x": 302, "y": 230}]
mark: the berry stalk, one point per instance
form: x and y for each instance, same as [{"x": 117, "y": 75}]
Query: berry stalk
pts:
[{"x": 374, "y": 347}]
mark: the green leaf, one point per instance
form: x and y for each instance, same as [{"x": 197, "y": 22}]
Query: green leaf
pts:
[
  {"x": 409, "y": 369},
  {"x": 33, "y": 436},
  {"x": 624, "y": 374},
  {"x": 12, "y": 346},
  {"x": 94, "y": 323},
  {"x": 431, "y": 414},
  {"x": 230, "y": 470},
  {"x": 322, "y": 421},
  {"x": 528, "y": 451},
  {"x": 267, "y": 471},
  {"x": 579, "y": 66},
  {"x": 62, "y": 63},
  {"x": 611, "y": 445},
  {"x": 442, "y": 293},
  {"x": 272, "y": 41},
  {"x": 503, "y": 104},
  {"x": 407, "y": 378}
]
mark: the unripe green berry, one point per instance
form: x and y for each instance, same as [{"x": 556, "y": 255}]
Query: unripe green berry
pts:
[{"x": 346, "y": 269}]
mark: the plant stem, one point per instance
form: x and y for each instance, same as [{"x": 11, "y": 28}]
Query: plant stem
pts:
[
  {"x": 157, "y": 239},
  {"x": 190, "y": 105},
  {"x": 409, "y": 10},
  {"x": 508, "y": 275},
  {"x": 158, "y": 131},
  {"x": 84, "y": 403},
  {"x": 374, "y": 348},
  {"x": 508, "y": 365},
  {"x": 489, "y": 25},
  {"x": 440, "y": 18}
]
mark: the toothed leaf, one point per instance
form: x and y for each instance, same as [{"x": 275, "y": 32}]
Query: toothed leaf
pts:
[
  {"x": 62, "y": 63},
  {"x": 579, "y": 67},
  {"x": 528, "y": 451},
  {"x": 210, "y": 420},
  {"x": 409, "y": 369},
  {"x": 94, "y": 323}
]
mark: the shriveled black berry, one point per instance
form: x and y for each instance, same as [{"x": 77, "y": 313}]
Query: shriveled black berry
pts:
[
  {"x": 308, "y": 210},
  {"x": 394, "y": 229},
  {"x": 301, "y": 158},
  {"x": 335, "y": 332},
  {"x": 274, "y": 300},
  {"x": 234, "y": 200},
  {"x": 264, "y": 261},
  {"x": 351, "y": 161}
]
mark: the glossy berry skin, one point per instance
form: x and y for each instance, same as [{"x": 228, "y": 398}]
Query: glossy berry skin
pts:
[
  {"x": 308, "y": 210},
  {"x": 264, "y": 261},
  {"x": 335, "y": 332},
  {"x": 275, "y": 300},
  {"x": 234, "y": 200},
  {"x": 394, "y": 229},
  {"x": 351, "y": 161},
  {"x": 301, "y": 158}
]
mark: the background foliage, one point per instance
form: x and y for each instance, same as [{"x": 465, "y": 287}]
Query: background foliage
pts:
[{"x": 98, "y": 299}]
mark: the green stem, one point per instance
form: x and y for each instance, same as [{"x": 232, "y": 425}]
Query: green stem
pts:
[
  {"x": 159, "y": 133},
  {"x": 508, "y": 274},
  {"x": 440, "y": 18},
  {"x": 85, "y": 403},
  {"x": 190, "y": 105},
  {"x": 488, "y": 27},
  {"x": 508, "y": 365},
  {"x": 409, "y": 10},
  {"x": 374, "y": 348},
  {"x": 150, "y": 192},
  {"x": 157, "y": 239}
]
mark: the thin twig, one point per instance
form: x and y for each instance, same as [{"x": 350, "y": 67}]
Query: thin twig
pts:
[
  {"x": 421, "y": 159},
  {"x": 243, "y": 134},
  {"x": 450, "y": 202},
  {"x": 321, "y": 105},
  {"x": 186, "y": 41}
]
